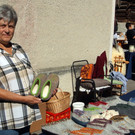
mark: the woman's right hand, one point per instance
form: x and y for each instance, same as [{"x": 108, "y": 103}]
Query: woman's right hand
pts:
[{"x": 31, "y": 100}]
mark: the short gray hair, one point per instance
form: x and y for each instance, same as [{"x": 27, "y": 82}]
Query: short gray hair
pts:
[{"x": 8, "y": 13}]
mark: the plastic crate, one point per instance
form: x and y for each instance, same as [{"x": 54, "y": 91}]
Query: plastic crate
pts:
[{"x": 52, "y": 117}]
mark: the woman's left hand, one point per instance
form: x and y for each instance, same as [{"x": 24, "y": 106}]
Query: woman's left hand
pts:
[{"x": 55, "y": 91}]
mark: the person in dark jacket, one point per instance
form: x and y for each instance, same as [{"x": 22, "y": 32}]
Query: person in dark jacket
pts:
[{"x": 130, "y": 36}]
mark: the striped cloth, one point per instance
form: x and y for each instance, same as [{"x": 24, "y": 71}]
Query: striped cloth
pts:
[{"x": 16, "y": 75}]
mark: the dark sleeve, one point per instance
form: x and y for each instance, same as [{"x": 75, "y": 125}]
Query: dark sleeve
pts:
[{"x": 132, "y": 33}]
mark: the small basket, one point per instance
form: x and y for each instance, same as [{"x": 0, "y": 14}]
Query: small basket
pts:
[{"x": 59, "y": 102}]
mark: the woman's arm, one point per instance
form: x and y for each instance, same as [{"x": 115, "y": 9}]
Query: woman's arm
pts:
[{"x": 8, "y": 96}]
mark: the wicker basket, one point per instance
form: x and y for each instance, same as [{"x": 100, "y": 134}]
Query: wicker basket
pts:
[{"x": 59, "y": 102}]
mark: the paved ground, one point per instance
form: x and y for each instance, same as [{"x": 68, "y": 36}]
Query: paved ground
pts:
[{"x": 130, "y": 86}]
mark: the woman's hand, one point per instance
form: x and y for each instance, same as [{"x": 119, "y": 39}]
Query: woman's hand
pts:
[
  {"x": 54, "y": 92},
  {"x": 31, "y": 100}
]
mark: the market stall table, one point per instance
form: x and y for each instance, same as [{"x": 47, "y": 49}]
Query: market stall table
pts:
[
  {"x": 116, "y": 127},
  {"x": 120, "y": 41}
]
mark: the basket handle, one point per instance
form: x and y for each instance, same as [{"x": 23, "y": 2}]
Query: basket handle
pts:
[{"x": 61, "y": 92}]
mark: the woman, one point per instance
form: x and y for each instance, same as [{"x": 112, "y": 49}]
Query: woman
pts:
[{"x": 16, "y": 76}]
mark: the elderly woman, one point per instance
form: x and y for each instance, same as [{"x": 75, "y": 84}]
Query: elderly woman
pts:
[{"x": 16, "y": 76}]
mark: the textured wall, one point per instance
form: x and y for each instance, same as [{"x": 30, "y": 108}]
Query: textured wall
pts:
[
  {"x": 122, "y": 27},
  {"x": 54, "y": 33}
]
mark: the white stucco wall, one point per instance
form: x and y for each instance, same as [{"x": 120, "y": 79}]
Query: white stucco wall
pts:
[
  {"x": 122, "y": 27},
  {"x": 54, "y": 33}
]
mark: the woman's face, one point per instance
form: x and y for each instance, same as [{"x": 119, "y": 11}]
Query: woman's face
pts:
[{"x": 6, "y": 31}]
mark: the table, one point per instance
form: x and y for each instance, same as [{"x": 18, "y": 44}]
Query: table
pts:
[
  {"x": 121, "y": 41},
  {"x": 63, "y": 127},
  {"x": 130, "y": 56}
]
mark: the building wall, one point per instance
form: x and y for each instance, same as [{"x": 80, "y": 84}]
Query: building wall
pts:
[
  {"x": 54, "y": 33},
  {"x": 121, "y": 27}
]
